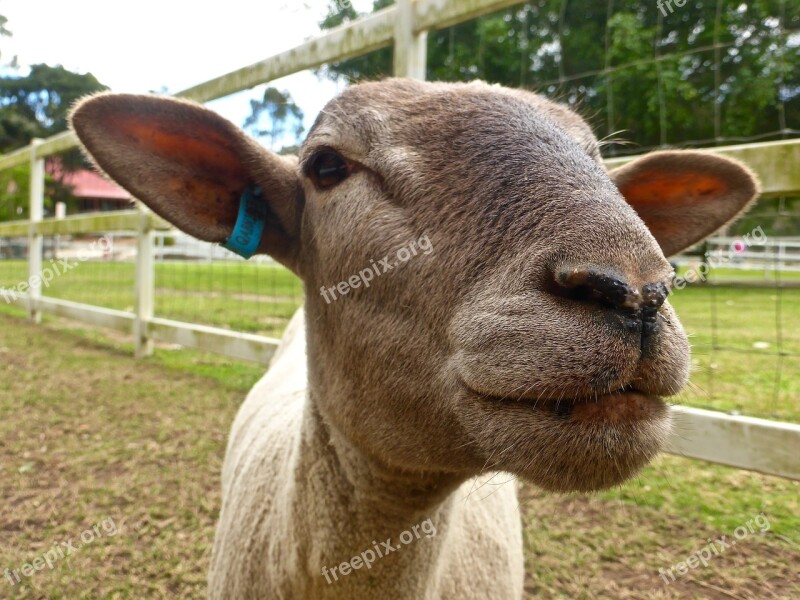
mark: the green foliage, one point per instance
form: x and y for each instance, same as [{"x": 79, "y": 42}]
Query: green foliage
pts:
[
  {"x": 14, "y": 193},
  {"x": 282, "y": 114},
  {"x": 369, "y": 66},
  {"x": 3, "y": 29},
  {"x": 5, "y": 32},
  {"x": 705, "y": 74},
  {"x": 698, "y": 75},
  {"x": 37, "y": 104},
  {"x": 339, "y": 12},
  {"x": 778, "y": 217}
]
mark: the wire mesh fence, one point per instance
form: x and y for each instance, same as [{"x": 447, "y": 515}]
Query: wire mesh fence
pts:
[
  {"x": 196, "y": 282},
  {"x": 13, "y": 266},
  {"x": 744, "y": 326},
  {"x": 741, "y": 308},
  {"x": 203, "y": 283},
  {"x": 89, "y": 269}
]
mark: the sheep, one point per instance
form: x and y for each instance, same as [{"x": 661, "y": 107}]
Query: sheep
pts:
[{"x": 534, "y": 339}]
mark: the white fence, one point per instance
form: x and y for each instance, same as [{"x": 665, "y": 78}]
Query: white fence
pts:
[
  {"x": 768, "y": 256},
  {"x": 756, "y": 444}
]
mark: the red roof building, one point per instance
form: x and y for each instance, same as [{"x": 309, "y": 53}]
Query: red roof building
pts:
[{"x": 92, "y": 191}]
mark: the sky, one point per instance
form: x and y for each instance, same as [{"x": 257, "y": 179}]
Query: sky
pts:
[{"x": 149, "y": 45}]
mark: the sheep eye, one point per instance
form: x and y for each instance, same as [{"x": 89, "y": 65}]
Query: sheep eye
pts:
[{"x": 329, "y": 169}]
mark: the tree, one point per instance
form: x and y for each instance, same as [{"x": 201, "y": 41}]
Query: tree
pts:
[
  {"x": 14, "y": 191},
  {"x": 3, "y": 29},
  {"x": 5, "y": 32},
  {"x": 282, "y": 115},
  {"x": 36, "y": 105},
  {"x": 704, "y": 74},
  {"x": 369, "y": 66}
]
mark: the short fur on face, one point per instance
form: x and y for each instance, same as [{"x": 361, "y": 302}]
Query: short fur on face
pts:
[{"x": 481, "y": 354}]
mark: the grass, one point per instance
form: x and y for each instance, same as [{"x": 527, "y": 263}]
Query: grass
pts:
[
  {"x": 88, "y": 434},
  {"x": 250, "y": 297},
  {"x": 737, "y": 335},
  {"x": 763, "y": 275}
]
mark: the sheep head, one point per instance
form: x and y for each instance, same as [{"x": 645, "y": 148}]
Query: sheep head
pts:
[{"x": 525, "y": 328}]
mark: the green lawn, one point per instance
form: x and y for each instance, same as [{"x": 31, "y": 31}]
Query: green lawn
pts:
[
  {"x": 746, "y": 341},
  {"x": 251, "y": 297},
  {"x": 737, "y": 335},
  {"x": 88, "y": 434}
]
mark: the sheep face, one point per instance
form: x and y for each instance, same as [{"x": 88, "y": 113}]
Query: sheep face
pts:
[
  {"x": 480, "y": 292},
  {"x": 535, "y": 337}
]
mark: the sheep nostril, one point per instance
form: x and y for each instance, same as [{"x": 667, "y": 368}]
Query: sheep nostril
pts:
[
  {"x": 653, "y": 296},
  {"x": 591, "y": 285}
]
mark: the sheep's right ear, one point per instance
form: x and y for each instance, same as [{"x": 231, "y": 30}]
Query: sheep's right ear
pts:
[
  {"x": 684, "y": 196},
  {"x": 192, "y": 167}
]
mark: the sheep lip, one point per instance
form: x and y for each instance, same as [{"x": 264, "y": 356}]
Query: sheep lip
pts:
[{"x": 622, "y": 405}]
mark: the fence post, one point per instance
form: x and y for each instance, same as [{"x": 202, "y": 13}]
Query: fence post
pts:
[
  {"x": 35, "y": 240},
  {"x": 145, "y": 282},
  {"x": 410, "y": 47}
]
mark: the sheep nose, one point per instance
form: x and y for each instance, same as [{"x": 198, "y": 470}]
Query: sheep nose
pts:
[{"x": 611, "y": 291}]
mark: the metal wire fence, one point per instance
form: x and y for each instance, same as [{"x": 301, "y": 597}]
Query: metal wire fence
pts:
[
  {"x": 204, "y": 283},
  {"x": 195, "y": 282}
]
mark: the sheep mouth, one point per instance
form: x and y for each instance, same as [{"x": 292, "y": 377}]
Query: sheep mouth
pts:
[
  {"x": 580, "y": 444},
  {"x": 622, "y": 406},
  {"x": 625, "y": 405}
]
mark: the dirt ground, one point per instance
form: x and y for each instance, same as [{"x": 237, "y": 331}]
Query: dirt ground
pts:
[{"x": 109, "y": 471}]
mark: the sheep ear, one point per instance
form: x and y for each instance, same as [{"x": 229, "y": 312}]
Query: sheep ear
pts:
[
  {"x": 684, "y": 196},
  {"x": 192, "y": 167}
]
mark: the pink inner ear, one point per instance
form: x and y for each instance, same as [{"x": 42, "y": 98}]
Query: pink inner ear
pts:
[
  {"x": 194, "y": 165},
  {"x": 657, "y": 187},
  {"x": 201, "y": 148}
]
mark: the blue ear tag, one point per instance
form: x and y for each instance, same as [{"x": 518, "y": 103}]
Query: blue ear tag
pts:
[{"x": 249, "y": 227}]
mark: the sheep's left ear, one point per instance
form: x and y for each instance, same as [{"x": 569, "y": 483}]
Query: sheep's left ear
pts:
[
  {"x": 684, "y": 196},
  {"x": 197, "y": 170}
]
